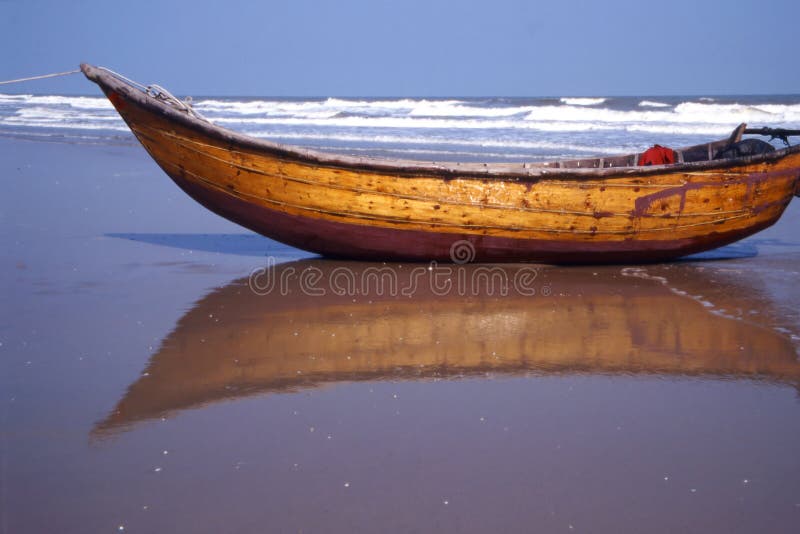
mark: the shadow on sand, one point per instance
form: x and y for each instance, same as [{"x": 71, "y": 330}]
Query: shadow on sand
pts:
[
  {"x": 236, "y": 244},
  {"x": 259, "y": 246}
]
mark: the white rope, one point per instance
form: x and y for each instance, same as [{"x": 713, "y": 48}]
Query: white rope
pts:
[
  {"x": 159, "y": 93},
  {"x": 162, "y": 94},
  {"x": 124, "y": 79},
  {"x": 18, "y": 80}
]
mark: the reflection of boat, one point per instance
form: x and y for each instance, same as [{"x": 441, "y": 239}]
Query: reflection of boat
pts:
[
  {"x": 590, "y": 210},
  {"x": 235, "y": 342}
]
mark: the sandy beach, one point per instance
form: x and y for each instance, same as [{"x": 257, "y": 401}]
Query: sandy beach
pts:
[{"x": 147, "y": 386}]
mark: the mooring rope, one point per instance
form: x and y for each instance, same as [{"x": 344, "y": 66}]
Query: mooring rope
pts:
[
  {"x": 55, "y": 74},
  {"x": 156, "y": 91},
  {"x": 124, "y": 79}
]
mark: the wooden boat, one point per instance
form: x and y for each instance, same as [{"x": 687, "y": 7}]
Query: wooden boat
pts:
[
  {"x": 597, "y": 210},
  {"x": 235, "y": 343}
]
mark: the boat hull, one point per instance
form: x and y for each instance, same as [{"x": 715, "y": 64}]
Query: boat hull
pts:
[
  {"x": 362, "y": 208},
  {"x": 340, "y": 240}
]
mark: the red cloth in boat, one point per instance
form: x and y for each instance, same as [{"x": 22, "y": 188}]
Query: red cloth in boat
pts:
[{"x": 657, "y": 155}]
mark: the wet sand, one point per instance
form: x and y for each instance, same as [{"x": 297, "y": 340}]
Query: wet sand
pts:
[{"x": 149, "y": 382}]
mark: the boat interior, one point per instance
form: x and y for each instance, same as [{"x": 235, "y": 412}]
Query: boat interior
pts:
[
  {"x": 705, "y": 152},
  {"x": 702, "y": 152}
]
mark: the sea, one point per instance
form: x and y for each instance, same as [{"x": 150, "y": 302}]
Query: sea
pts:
[{"x": 434, "y": 129}]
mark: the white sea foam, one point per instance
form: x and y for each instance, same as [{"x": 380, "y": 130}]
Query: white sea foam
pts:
[
  {"x": 460, "y": 122},
  {"x": 55, "y": 114},
  {"x": 652, "y": 104},
  {"x": 684, "y": 113},
  {"x": 579, "y": 101},
  {"x": 13, "y": 98},
  {"x": 441, "y": 155},
  {"x": 543, "y": 120},
  {"x": 321, "y": 108},
  {"x": 404, "y": 103},
  {"x": 58, "y": 117},
  {"x": 681, "y": 129},
  {"x": 451, "y": 109},
  {"x": 399, "y": 139},
  {"x": 702, "y": 113},
  {"x": 70, "y": 125},
  {"x": 370, "y": 122},
  {"x": 419, "y": 123},
  {"x": 261, "y": 108},
  {"x": 596, "y": 115},
  {"x": 77, "y": 102}
]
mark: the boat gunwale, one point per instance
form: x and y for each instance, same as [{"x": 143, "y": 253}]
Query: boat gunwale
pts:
[{"x": 449, "y": 170}]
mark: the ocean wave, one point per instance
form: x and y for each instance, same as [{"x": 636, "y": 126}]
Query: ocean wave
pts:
[
  {"x": 64, "y": 118},
  {"x": 71, "y": 136},
  {"x": 424, "y": 140},
  {"x": 681, "y": 129},
  {"x": 39, "y": 113},
  {"x": 333, "y": 107},
  {"x": 581, "y": 101},
  {"x": 266, "y": 108},
  {"x": 582, "y": 114},
  {"x": 425, "y": 123},
  {"x": 683, "y": 113},
  {"x": 444, "y": 154},
  {"x": 451, "y": 109},
  {"x": 506, "y": 123},
  {"x": 321, "y": 108},
  {"x": 543, "y": 121},
  {"x": 62, "y": 125},
  {"x": 77, "y": 102},
  {"x": 652, "y": 104},
  {"x": 13, "y": 98},
  {"x": 736, "y": 113},
  {"x": 597, "y": 115}
]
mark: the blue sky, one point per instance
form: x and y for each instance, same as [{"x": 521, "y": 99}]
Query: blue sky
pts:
[{"x": 409, "y": 47}]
